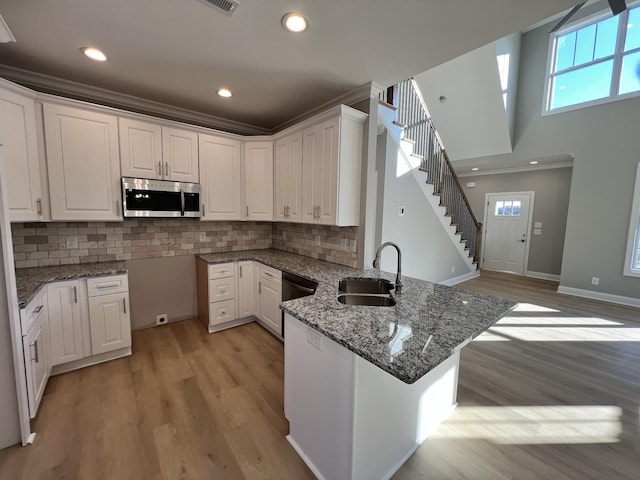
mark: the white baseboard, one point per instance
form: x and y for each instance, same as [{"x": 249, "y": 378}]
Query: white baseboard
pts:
[
  {"x": 304, "y": 458},
  {"x": 542, "y": 276},
  {"x": 605, "y": 297},
  {"x": 462, "y": 278}
]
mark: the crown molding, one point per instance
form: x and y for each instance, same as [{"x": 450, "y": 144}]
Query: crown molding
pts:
[
  {"x": 356, "y": 95},
  {"x": 58, "y": 86},
  {"x": 500, "y": 171}
]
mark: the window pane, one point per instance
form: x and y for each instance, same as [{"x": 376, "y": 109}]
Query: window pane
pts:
[
  {"x": 633, "y": 30},
  {"x": 583, "y": 85},
  {"x": 585, "y": 45},
  {"x": 516, "y": 208},
  {"x": 499, "y": 208},
  {"x": 566, "y": 48},
  {"x": 507, "y": 208},
  {"x": 606, "y": 37},
  {"x": 630, "y": 77}
]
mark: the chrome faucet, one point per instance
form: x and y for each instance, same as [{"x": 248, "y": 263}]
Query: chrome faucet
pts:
[{"x": 376, "y": 263}]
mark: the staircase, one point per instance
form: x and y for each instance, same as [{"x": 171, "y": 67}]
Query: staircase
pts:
[{"x": 405, "y": 115}]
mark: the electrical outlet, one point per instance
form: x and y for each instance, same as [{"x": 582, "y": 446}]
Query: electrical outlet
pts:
[
  {"x": 162, "y": 319},
  {"x": 203, "y": 236},
  {"x": 595, "y": 281},
  {"x": 72, "y": 242}
]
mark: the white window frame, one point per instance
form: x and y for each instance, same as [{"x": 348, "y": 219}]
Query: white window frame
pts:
[
  {"x": 617, "y": 62},
  {"x": 633, "y": 239}
]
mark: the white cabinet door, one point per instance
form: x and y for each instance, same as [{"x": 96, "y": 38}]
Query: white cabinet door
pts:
[
  {"x": 37, "y": 370},
  {"x": 246, "y": 289},
  {"x": 110, "y": 322},
  {"x": 259, "y": 180},
  {"x": 320, "y": 172},
  {"x": 220, "y": 178},
  {"x": 180, "y": 155},
  {"x": 288, "y": 178},
  {"x": 83, "y": 164},
  {"x": 20, "y": 161},
  {"x": 65, "y": 321},
  {"x": 140, "y": 149},
  {"x": 270, "y": 298}
]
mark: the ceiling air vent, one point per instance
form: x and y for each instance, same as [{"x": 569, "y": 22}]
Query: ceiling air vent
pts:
[{"x": 225, "y": 6}]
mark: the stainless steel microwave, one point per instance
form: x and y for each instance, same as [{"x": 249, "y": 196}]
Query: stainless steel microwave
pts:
[{"x": 159, "y": 198}]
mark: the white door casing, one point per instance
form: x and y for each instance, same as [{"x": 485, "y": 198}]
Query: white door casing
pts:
[{"x": 507, "y": 227}]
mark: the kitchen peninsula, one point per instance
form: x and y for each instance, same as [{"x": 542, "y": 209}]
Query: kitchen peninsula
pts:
[{"x": 364, "y": 385}]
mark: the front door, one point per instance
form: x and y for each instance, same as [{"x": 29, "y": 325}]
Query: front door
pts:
[{"x": 507, "y": 227}]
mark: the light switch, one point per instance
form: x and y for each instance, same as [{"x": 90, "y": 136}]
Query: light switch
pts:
[
  {"x": 537, "y": 225},
  {"x": 537, "y": 231}
]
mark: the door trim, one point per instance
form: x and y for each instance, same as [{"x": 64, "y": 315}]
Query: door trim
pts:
[{"x": 487, "y": 196}]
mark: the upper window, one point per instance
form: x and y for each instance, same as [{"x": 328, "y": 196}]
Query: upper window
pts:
[
  {"x": 632, "y": 259},
  {"x": 595, "y": 61}
]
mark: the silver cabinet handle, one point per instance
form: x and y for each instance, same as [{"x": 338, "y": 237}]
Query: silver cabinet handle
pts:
[
  {"x": 318, "y": 212},
  {"x": 166, "y": 168},
  {"x": 117, "y": 206},
  {"x": 108, "y": 285},
  {"x": 39, "y": 206},
  {"x": 75, "y": 294},
  {"x": 203, "y": 209},
  {"x": 159, "y": 168},
  {"x": 247, "y": 211},
  {"x": 259, "y": 287},
  {"x": 124, "y": 304},
  {"x": 240, "y": 271},
  {"x": 37, "y": 310},
  {"x": 37, "y": 355}
]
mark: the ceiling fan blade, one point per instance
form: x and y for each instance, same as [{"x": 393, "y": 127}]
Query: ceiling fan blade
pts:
[
  {"x": 571, "y": 13},
  {"x": 617, "y": 6}
]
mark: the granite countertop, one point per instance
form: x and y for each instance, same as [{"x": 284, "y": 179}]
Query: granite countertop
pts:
[
  {"x": 30, "y": 280},
  {"x": 392, "y": 338}
]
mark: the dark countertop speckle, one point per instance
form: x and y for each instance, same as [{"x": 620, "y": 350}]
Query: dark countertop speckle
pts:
[
  {"x": 30, "y": 280},
  {"x": 392, "y": 338}
]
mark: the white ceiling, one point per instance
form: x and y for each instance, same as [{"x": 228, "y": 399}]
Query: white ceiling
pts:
[{"x": 179, "y": 52}]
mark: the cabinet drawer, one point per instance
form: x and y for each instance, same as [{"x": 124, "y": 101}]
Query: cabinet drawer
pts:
[
  {"x": 36, "y": 308},
  {"x": 222, "y": 312},
  {"x": 270, "y": 274},
  {"x": 222, "y": 289},
  {"x": 223, "y": 270},
  {"x": 106, "y": 285}
]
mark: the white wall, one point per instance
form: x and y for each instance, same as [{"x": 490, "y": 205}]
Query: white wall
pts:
[{"x": 427, "y": 250}]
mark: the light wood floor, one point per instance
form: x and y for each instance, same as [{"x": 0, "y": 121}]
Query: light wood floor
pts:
[{"x": 545, "y": 394}]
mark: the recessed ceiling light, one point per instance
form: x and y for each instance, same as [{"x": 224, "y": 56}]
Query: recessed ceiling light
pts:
[
  {"x": 224, "y": 92},
  {"x": 94, "y": 54},
  {"x": 295, "y": 22},
  {"x": 533, "y": 162},
  {"x": 475, "y": 169}
]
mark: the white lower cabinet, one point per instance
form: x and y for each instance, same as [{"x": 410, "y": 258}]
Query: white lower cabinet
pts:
[
  {"x": 89, "y": 321},
  {"x": 269, "y": 298},
  {"x": 67, "y": 318},
  {"x": 246, "y": 288},
  {"x": 35, "y": 323}
]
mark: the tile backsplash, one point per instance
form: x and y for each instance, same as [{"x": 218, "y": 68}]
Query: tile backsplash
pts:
[
  {"x": 63, "y": 243},
  {"x": 328, "y": 243}
]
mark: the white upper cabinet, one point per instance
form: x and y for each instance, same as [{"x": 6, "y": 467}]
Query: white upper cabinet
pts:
[
  {"x": 220, "y": 178},
  {"x": 83, "y": 164},
  {"x": 331, "y": 164},
  {"x": 258, "y": 174},
  {"x": 180, "y": 155},
  {"x": 140, "y": 149},
  {"x": 149, "y": 150},
  {"x": 288, "y": 178},
  {"x": 20, "y": 161}
]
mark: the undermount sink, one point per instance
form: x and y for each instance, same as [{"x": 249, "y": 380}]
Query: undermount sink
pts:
[
  {"x": 368, "y": 300},
  {"x": 365, "y": 285}
]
